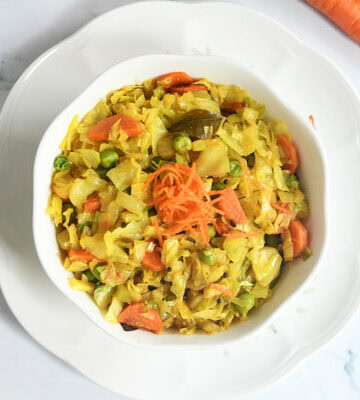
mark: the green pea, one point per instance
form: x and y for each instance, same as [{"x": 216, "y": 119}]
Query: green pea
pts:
[
  {"x": 207, "y": 257},
  {"x": 102, "y": 172},
  {"x": 61, "y": 163},
  {"x": 219, "y": 186},
  {"x": 235, "y": 167},
  {"x": 170, "y": 297},
  {"x": 108, "y": 158},
  {"x": 182, "y": 144},
  {"x": 272, "y": 240},
  {"x": 247, "y": 302},
  {"x": 212, "y": 231},
  {"x": 157, "y": 162},
  {"x": 90, "y": 276},
  {"x": 292, "y": 182},
  {"x": 306, "y": 254}
]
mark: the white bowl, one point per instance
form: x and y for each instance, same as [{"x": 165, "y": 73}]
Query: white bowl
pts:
[{"x": 217, "y": 69}]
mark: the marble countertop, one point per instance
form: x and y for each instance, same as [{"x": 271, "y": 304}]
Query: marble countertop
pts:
[{"x": 27, "y": 371}]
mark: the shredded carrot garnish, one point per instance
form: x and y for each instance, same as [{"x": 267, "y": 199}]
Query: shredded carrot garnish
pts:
[
  {"x": 237, "y": 235},
  {"x": 181, "y": 200},
  {"x": 222, "y": 290},
  {"x": 282, "y": 208},
  {"x": 158, "y": 232}
]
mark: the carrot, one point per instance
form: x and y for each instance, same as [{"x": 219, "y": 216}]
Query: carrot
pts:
[
  {"x": 229, "y": 203},
  {"x": 158, "y": 232},
  {"x": 312, "y": 121},
  {"x": 187, "y": 88},
  {"x": 101, "y": 130},
  {"x": 80, "y": 255},
  {"x": 174, "y": 79},
  {"x": 345, "y": 13},
  {"x": 299, "y": 237},
  {"x": 138, "y": 316},
  {"x": 232, "y": 107},
  {"x": 282, "y": 208},
  {"x": 237, "y": 235},
  {"x": 221, "y": 228},
  {"x": 292, "y": 159},
  {"x": 181, "y": 199},
  {"x": 152, "y": 260},
  {"x": 222, "y": 290},
  {"x": 92, "y": 203}
]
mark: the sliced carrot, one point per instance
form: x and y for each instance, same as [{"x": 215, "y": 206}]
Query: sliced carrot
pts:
[
  {"x": 237, "y": 235},
  {"x": 282, "y": 208},
  {"x": 292, "y": 159},
  {"x": 232, "y": 107},
  {"x": 299, "y": 237},
  {"x": 138, "y": 316},
  {"x": 102, "y": 129},
  {"x": 92, "y": 203},
  {"x": 152, "y": 260},
  {"x": 222, "y": 290},
  {"x": 80, "y": 255},
  {"x": 230, "y": 204},
  {"x": 130, "y": 126},
  {"x": 221, "y": 228},
  {"x": 187, "y": 88},
  {"x": 174, "y": 79},
  {"x": 345, "y": 13}
]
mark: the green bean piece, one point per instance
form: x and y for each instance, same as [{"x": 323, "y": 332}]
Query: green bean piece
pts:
[
  {"x": 96, "y": 273},
  {"x": 219, "y": 186},
  {"x": 73, "y": 215},
  {"x": 90, "y": 276},
  {"x": 182, "y": 144},
  {"x": 108, "y": 158},
  {"x": 212, "y": 231},
  {"x": 102, "y": 172},
  {"x": 235, "y": 167},
  {"x": 248, "y": 302},
  {"x": 207, "y": 257},
  {"x": 61, "y": 163},
  {"x": 272, "y": 240}
]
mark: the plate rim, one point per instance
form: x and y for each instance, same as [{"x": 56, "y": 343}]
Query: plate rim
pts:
[{"x": 308, "y": 349}]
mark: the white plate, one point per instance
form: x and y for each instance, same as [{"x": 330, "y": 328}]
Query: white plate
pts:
[{"x": 310, "y": 84}]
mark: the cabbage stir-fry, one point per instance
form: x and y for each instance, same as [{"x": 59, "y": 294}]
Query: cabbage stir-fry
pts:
[{"x": 176, "y": 204}]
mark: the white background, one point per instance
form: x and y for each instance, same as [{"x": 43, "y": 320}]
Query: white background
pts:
[{"x": 27, "y": 371}]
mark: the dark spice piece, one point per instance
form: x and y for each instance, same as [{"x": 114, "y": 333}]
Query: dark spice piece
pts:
[
  {"x": 128, "y": 328},
  {"x": 225, "y": 275},
  {"x": 232, "y": 223},
  {"x": 186, "y": 294},
  {"x": 219, "y": 301},
  {"x": 151, "y": 287},
  {"x": 169, "y": 269}
]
